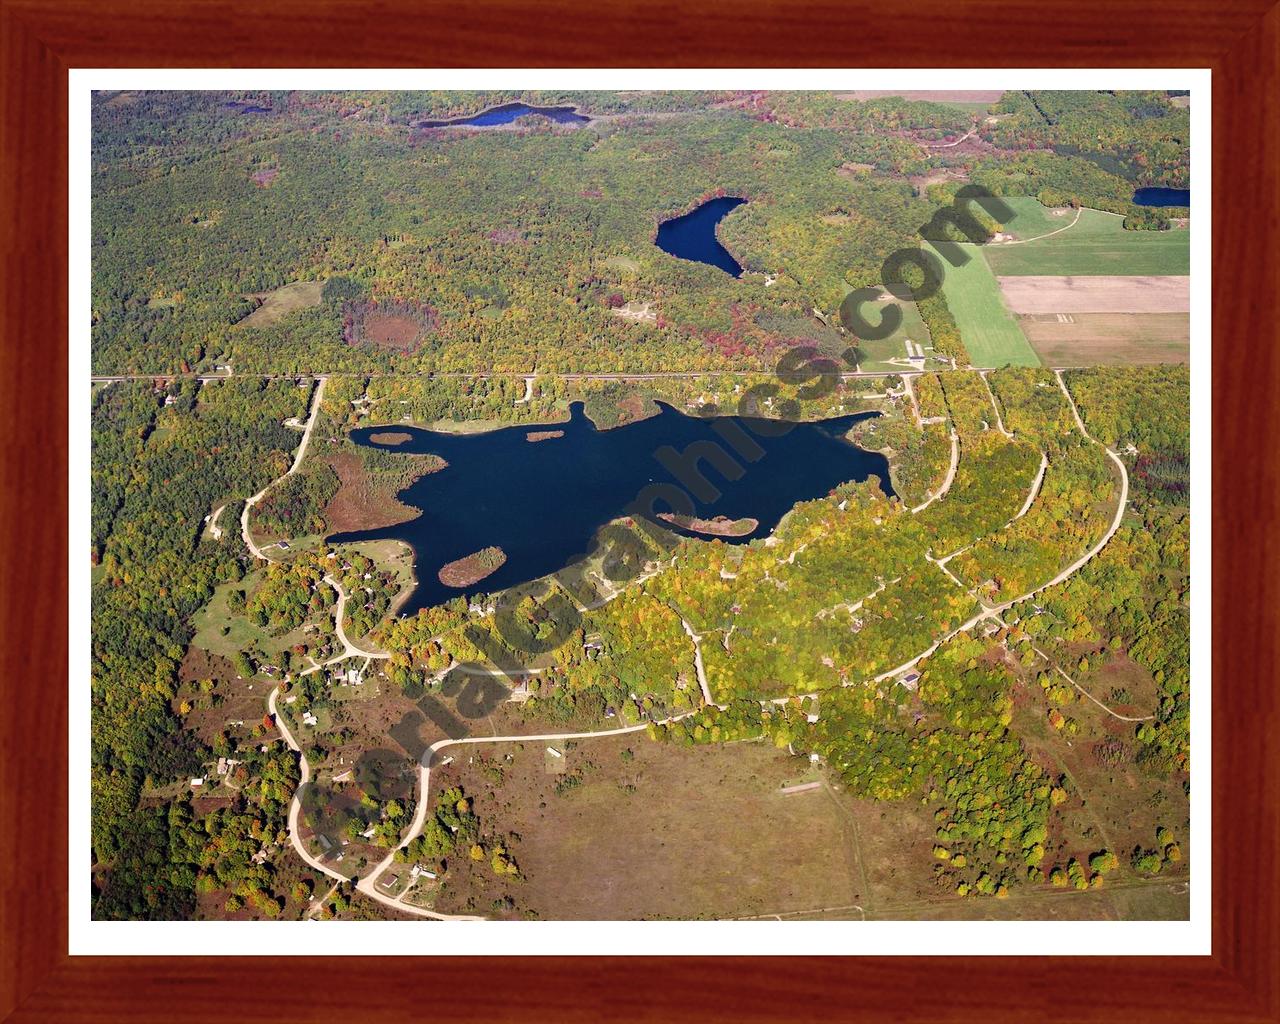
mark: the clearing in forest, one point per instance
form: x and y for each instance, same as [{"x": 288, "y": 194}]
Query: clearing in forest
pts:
[
  {"x": 1096, "y": 244},
  {"x": 283, "y": 301},
  {"x": 635, "y": 829},
  {"x": 880, "y": 355},
  {"x": 1032, "y": 220}
]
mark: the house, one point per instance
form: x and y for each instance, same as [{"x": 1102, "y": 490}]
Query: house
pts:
[
  {"x": 910, "y": 681},
  {"x": 324, "y": 842},
  {"x": 283, "y": 545},
  {"x": 369, "y": 832},
  {"x": 309, "y": 719},
  {"x": 990, "y": 628},
  {"x": 222, "y": 766},
  {"x": 170, "y": 399},
  {"x": 197, "y": 781},
  {"x": 355, "y": 676}
]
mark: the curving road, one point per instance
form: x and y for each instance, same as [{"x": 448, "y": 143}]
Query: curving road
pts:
[
  {"x": 1034, "y": 492},
  {"x": 316, "y": 400},
  {"x": 994, "y": 404},
  {"x": 951, "y": 474},
  {"x": 1067, "y": 573},
  {"x": 367, "y": 884},
  {"x": 349, "y": 649}
]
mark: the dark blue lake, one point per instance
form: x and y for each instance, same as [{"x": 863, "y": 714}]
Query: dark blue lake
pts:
[
  {"x": 542, "y": 502},
  {"x": 246, "y": 108},
  {"x": 507, "y": 113},
  {"x": 693, "y": 236},
  {"x": 1162, "y": 197}
]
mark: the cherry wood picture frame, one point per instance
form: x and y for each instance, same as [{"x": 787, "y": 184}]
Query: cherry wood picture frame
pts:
[{"x": 41, "y": 39}]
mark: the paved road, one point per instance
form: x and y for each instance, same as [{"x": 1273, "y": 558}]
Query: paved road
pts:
[{"x": 484, "y": 375}]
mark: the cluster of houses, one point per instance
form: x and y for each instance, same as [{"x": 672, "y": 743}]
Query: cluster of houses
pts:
[{"x": 226, "y": 766}]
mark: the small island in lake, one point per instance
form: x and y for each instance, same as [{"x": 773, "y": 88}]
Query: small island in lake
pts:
[
  {"x": 473, "y": 568},
  {"x": 720, "y": 526}
]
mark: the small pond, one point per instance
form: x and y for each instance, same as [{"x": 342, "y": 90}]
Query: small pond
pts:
[
  {"x": 508, "y": 112},
  {"x": 1162, "y": 197},
  {"x": 692, "y": 236}
]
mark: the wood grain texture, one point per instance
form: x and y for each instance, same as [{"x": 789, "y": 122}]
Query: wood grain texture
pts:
[{"x": 40, "y": 40}]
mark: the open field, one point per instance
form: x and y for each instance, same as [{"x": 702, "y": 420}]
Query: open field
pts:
[
  {"x": 1096, "y": 294},
  {"x": 1087, "y": 339},
  {"x": 1115, "y": 806},
  {"x": 1031, "y": 220},
  {"x": 222, "y": 631},
  {"x": 989, "y": 330},
  {"x": 964, "y": 99},
  {"x": 623, "y": 828},
  {"x": 662, "y": 832},
  {"x": 1096, "y": 244},
  {"x": 283, "y": 301},
  {"x": 877, "y": 354}
]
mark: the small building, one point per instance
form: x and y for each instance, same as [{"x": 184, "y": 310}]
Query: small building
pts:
[
  {"x": 553, "y": 752},
  {"x": 324, "y": 842},
  {"x": 199, "y": 781},
  {"x": 910, "y": 681}
]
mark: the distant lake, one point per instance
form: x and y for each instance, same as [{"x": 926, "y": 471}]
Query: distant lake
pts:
[
  {"x": 1162, "y": 197},
  {"x": 693, "y": 235},
  {"x": 246, "y": 108},
  {"x": 542, "y": 501},
  {"x": 507, "y": 113}
]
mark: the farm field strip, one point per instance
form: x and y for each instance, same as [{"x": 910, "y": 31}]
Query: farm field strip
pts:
[
  {"x": 1109, "y": 338},
  {"x": 1096, "y": 294},
  {"x": 990, "y": 332}
]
